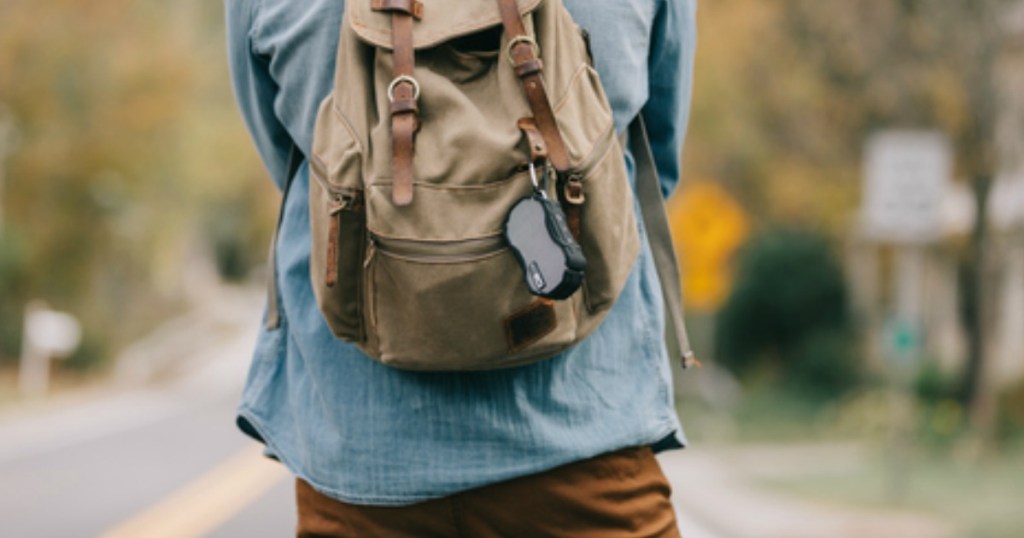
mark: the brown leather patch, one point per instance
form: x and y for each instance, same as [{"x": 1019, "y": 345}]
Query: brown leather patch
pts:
[{"x": 530, "y": 324}]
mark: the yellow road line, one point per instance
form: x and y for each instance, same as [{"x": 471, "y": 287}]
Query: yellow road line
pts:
[{"x": 207, "y": 502}]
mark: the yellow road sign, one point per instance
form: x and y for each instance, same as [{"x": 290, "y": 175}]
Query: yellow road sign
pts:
[{"x": 708, "y": 225}]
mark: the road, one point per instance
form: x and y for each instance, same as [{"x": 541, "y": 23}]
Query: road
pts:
[{"x": 163, "y": 461}]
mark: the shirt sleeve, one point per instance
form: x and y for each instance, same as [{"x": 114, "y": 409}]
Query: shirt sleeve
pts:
[
  {"x": 255, "y": 89},
  {"x": 670, "y": 67}
]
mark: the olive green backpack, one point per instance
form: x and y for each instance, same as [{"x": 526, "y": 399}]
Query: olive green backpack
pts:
[{"x": 444, "y": 115}]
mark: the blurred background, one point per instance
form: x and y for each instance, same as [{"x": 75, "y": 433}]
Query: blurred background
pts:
[{"x": 850, "y": 224}]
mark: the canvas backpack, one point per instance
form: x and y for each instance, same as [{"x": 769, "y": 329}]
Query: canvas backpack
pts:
[{"x": 444, "y": 115}]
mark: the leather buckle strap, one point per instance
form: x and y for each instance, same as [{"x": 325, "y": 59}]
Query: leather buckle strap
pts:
[
  {"x": 403, "y": 94},
  {"x": 524, "y": 63},
  {"x": 404, "y": 79},
  {"x": 521, "y": 40},
  {"x": 399, "y": 106},
  {"x": 523, "y": 54},
  {"x": 409, "y": 7}
]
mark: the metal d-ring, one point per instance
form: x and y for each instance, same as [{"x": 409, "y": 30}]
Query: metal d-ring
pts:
[
  {"x": 521, "y": 39},
  {"x": 400, "y": 79},
  {"x": 538, "y": 187}
]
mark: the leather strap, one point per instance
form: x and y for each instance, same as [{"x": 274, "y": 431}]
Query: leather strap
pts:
[
  {"x": 403, "y": 94},
  {"x": 652, "y": 208},
  {"x": 273, "y": 320},
  {"x": 538, "y": 147},
  {"x": 523, "y": 54},
  {"x": 409, "y": 7}
]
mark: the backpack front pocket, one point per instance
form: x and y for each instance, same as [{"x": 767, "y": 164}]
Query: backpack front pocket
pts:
[{"x": 458, "y": 305}]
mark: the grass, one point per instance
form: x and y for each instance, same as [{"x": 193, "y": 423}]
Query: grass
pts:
[
  {"x": 984, "y": 499},
  {"x": 925, "y": 466}
]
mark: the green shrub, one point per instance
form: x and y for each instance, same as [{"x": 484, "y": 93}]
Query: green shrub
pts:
[
  {"x": 788, "y": 315},
  {"x": 824, "y": 364},
  {"x": 932, "y": 385}
]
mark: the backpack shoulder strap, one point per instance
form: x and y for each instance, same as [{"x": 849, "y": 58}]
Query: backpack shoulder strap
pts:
[
  {"x": 652, "y": 208},
  {"x": 273, "y": 320}
]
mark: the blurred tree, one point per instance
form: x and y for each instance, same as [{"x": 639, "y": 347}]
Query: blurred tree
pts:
[
  {"x": 128, "y": 135},
  {"x": 786, "y": 92},
  {"x": 928, "y": 64},
  {"x": 765, "y": 122}
]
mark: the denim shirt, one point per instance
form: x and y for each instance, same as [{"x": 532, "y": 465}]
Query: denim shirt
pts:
[{"x": 366, "y": 433}]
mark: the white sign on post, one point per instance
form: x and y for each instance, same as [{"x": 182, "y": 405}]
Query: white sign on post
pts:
[
  {"x": 54, "y": 333},
  {"x": 906, "y": 177},
  {"x": 47, "y": 335}
]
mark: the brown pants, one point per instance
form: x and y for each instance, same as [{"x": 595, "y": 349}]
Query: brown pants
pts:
[{"x": 620, "y": 494}]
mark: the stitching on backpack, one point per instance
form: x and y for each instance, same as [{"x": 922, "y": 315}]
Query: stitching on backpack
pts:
[
  {"x": 347, "y": 126},
  {"x": 487, "y": 235},
  {"x": 572, "y": 82},
  {"x": 501, "y": 183}
]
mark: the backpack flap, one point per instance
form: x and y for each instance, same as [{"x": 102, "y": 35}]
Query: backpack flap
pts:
[{"x": 442, "y": 20}]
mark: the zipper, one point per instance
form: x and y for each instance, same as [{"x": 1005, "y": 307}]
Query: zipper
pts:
[
  {"x": 331, "y": 278},
  {"x": 454, "y": 251},
  {"x": 342, "y": 199}
]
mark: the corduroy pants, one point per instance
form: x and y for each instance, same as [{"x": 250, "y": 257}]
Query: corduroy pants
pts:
[{"x": 620, "y": 494}]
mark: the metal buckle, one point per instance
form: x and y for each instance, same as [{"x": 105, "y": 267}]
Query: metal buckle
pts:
[
  {"x": 573, "y": 190},
  {"x": 521, "y": 39},
  {"x": 400, "y": 79}
]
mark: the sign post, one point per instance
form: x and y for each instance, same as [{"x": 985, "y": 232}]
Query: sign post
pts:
[
  {"x": 906, "y": 177},
  {"x": 47, "y": 335}
]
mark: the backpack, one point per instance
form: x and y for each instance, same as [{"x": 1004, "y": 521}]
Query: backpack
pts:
[{"x": 470, "y": 206}]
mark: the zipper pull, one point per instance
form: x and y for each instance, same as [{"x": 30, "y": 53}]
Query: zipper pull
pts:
[
  {"x": 331, "y": 278},
  {"x": 338, "y": 204}
]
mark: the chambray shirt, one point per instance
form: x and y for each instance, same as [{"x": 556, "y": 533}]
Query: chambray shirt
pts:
[{"x": 366, "y": 433}]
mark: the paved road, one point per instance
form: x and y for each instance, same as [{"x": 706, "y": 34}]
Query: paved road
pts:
[
  {"x": 113, "y": 465},
  {"x": 160, "y": 462}
]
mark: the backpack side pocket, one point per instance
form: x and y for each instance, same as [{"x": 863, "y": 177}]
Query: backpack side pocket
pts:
[{"x": 337, "y": 224}]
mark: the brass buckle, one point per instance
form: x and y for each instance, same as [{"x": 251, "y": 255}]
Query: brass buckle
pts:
[
  {"x": 521, "y": 39},
  {"x": 572, "y": 190}
]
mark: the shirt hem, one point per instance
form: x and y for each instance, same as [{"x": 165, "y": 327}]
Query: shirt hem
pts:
[{"x": 670, "y": 438}]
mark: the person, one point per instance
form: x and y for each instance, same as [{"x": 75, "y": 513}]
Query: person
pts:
[{"x": 562, "y": 447}]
